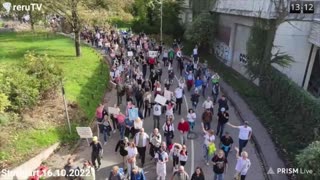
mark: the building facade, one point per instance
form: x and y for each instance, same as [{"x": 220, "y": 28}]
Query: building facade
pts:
[{"x": 299, "y": 39}]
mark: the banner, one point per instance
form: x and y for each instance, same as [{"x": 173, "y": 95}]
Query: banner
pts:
[
  {"x": 153, "y": 54},
  {"x": 84, "y": 132},
  {"x": 113, "y": 110},
  {"x": 133, "y": 113},
  {"x": 161, "y": 100}
]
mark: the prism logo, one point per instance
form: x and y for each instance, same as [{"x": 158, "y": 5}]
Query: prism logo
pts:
[
  {"x": 30, "y": 7},
  {"x": 7, "y": 6}
]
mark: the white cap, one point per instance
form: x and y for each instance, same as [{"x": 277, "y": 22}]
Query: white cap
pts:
[{"x": 223, "y": 109}]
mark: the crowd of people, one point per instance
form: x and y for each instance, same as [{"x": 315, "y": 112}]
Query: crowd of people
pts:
[{"x": 132, "y": 58}]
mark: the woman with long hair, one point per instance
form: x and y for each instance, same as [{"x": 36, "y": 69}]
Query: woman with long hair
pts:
[{"x": 198, "y": 174}]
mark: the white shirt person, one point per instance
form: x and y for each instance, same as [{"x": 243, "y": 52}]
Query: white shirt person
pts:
[{"x": 245, "y": 133}]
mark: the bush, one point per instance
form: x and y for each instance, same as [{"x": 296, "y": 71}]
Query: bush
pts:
[
  {"x": 22, "y": 89},
  {"x": 46, "y": 71},
  {"x": 4, "y": 102},
  {"x": 309, "y": 159},
  {"x": 296, "y": 108}
]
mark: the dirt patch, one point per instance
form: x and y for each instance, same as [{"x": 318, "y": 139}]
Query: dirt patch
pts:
[{"x": 48, "y": 113}]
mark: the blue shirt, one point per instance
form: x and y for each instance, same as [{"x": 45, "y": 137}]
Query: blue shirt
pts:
[
  {"x": 138, "y": 176},
  {"x": 198, "y": 83}
]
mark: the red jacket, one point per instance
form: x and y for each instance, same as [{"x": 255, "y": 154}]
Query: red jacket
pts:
[{"x": 183, "y": 126}]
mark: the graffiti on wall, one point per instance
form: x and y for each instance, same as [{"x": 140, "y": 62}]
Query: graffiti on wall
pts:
[
  {"x": 243, "y": 58},
  {"x": 222, "y": 50}
]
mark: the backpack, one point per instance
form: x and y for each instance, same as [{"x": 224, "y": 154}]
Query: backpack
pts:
[{"x": 211, "y": 148}]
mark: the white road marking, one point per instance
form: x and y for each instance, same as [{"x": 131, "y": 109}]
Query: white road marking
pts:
[{"x": 192, "y": 143}]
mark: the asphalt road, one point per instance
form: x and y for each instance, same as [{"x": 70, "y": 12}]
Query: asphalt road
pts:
[{"x": 195, "y": 151}]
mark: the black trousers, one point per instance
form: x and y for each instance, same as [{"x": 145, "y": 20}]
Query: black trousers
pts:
[
  {"x": 94, "y": 157},
  {"x": 179, "y": 102},
  {"x": 142, "y": 154},
  {"x": 153, "y": 150}
]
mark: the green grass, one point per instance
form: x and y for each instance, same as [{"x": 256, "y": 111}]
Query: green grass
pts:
[
  {"x": 252, "y": 96},
  {"x": 85, "y": 80}
]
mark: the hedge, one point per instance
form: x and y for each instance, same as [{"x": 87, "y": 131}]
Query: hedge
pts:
[{"x": 298, "y": 112}]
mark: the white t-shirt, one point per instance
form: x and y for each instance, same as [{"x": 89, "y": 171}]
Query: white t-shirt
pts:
[
  {"x": 195, "y": 51},
  {"x": 207, "y": 104},
  {"x": 178, "y": 93},
  {"x": 244, "y": 132},
  {"x": 183, "y": 157},
  {"x": 243, "y": 166},
  {"x": 208, "y": 139},
  {"x": 132, "y": 152},
  {"x": 157, "y": 110},
  {"x": 191, "y": 117}
]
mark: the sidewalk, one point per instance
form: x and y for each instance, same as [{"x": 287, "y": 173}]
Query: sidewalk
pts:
[{"x": 260, "y": 137}]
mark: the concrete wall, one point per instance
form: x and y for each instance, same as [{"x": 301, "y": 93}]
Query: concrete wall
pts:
[
  {"x": 289, "y": 39},
  {"x": 293, "y": 40},
  {"x": 252, "y": 8}
]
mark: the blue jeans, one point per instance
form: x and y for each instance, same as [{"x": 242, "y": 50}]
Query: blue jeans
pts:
[
  {"x": 191, "y": 124},
  {"x": 218, "y": 176},
  {"x": 106, "y": 133},
  {"x": 242, "y": 144},
  {"x": 206, "y": 152},
  {"x": 122, "y": 129}
]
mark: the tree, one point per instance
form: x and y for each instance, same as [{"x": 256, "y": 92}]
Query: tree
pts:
[
  {"x": 76, "y": 13},
  {"x": 202, "y": 30},
  {"x": 309, "y": 159},
  {"x": 260, "y": 45}
]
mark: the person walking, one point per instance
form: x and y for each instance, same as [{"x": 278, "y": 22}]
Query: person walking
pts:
[
  {"x": 208, "y": 142},
  {"x": 131, "y": 158},
  {"x": 155, "y": 142},
  {"x": 184, "y": 129},
  {"x": 169, "y": 109},
  {"x": 195, "y": 99},
  {"x": 245, "y": 133},
  {"x": 121, "y": 119},
  {"x": 181, "y": 174},
  {"x": 215, "y": 92},
  {"x": 243, "y": 165},
  {"x": 147, "y": 97},
  {"x": 215, "y": 78},
  {"x": 198, "y": 83},
  {"x": 226, "y": 143},
  {"x": 175, "y": 153},
  {"x": 90, "y": 173},
  {"x": 137, "y": 174},
  {"x": 139, "y": 96},
  {"x": 223, "y": 118},
  {"x": 179, "y": 95},
  {"x": 198, "y": 174},
  {"x": 220, "y": 165},
  {"x": 129, "y": 131},
  {"x": 223, "y": 103},
  {"x": 161, "y": 158},
  {"x": 142, "y": 141},
  {"x": 168, "y": 129},
  {"x": 114, "y": 174},
  {"x": 122, "y": 146},
  {"x": 183, "y": 157},
  {"x": 96, "y": 152},
  {"x": 105, "y": 128},
  {"x": 69, "y": 168},
  {"x": 191, "y": 117},
  {"x": 157, "y": 109},
  {"x": 137, "y": 125},
  {"x": 207, "y": 119},
  {"x": 208, "y": 104}
]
